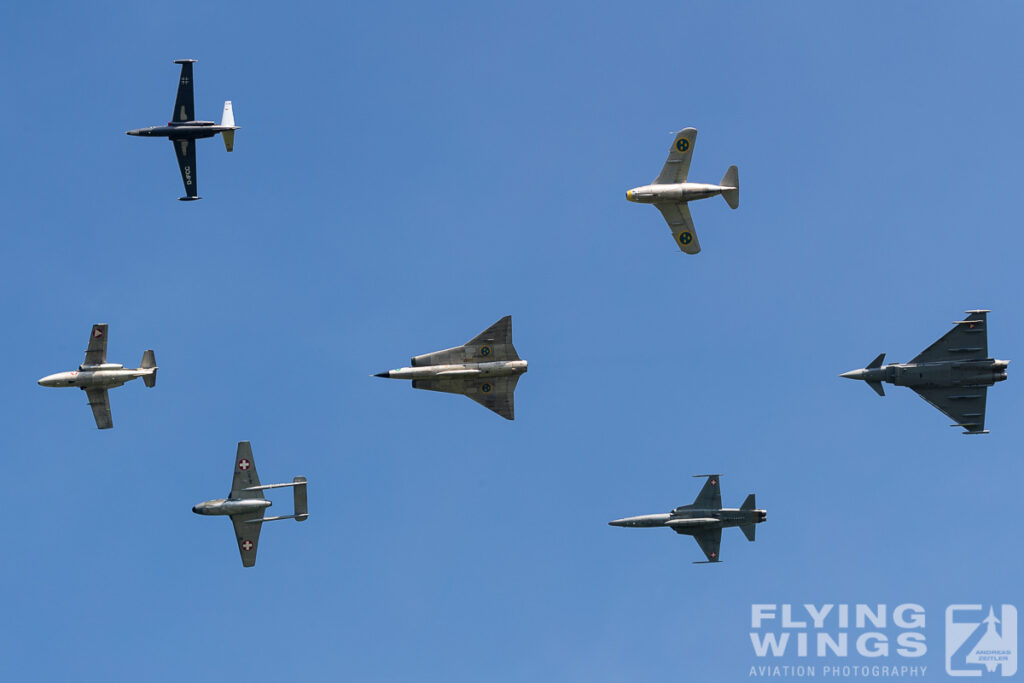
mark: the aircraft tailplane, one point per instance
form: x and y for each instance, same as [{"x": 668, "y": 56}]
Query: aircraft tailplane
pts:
[
  {"x": 228, "y": 120},
  {"x": 750, "y": 503},
  {"x": 149, "y": 363},
  {"x": 731, "y": 180},
  {"x": 301, "y": 506},
  {"x": 748, "y": 531}
]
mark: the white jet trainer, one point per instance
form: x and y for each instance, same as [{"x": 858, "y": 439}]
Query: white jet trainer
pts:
[
  {"x": 486, "y": 369},
  {"x": 95, "y": 375},
  {"x": 670, "y": 192}
]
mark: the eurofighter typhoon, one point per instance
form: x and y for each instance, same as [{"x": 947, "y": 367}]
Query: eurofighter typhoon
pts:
[
  {"x": 704, "y": 519},
  {"x": 486, "y": 369},
  {"x": 671, "y": 192},
  {"x": 245, "y": 504},
  {"x": 95, "y": 375},
  {"x": 183, "y": 130},
  {"x": 953, "y": 374}
]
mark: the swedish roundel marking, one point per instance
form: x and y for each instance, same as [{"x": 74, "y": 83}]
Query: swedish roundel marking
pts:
[
  {"x": 682, "y": 145},
  {"x": 685, "y": 238},
  {"x": 485, "y": 387},
  {"x": 485, "y": 351}
]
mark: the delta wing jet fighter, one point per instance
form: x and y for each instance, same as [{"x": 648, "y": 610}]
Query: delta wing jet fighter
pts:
[
  {"x": 245, "y": 504},
  {"x": 704, "y": 519},
  {"x": 95, "y": 375},
  {"x": 183, "y": 130},
  {"x": 486, "y": 369},
  {"x": 670, "y": 191},
  {"x": 953, "y": 374}
]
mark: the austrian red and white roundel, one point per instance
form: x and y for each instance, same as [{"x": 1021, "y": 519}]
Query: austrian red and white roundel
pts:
[
  {"x": 244, "y": 464},
  {"x": 247, "y": 545}
]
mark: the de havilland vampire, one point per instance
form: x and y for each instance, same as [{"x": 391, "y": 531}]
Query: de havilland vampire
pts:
[
  {"x": 486, "y": 369},
  {"x": 953, "y": 374},
  {"x": 670, "y": 191},
  {"x": 95, "y": 375},
  {"x": 245, "y": 504},
  {"x": 183, "y": 130},
  {"x": 704, "y": 519}
]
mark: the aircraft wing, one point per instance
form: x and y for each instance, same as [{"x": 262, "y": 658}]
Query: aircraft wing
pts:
[
  {"x": 247, "y": 535},
  {"x": 96, "y": 354},
  {"x": 497, "y": 393},
  {"x": 494, "y": 343},
  {"x": 245, "y": 475},
  {"x": 710, "y": 496},
  {"x": 677, "y": 215},
  {"x": 99, "y": 401},
  {"x": 710, "y": 541},
  {"x": 677, "y": 166},
  {"x": 184, "y": 103},
  {"x": 185, "y": 150},
  {"x": 968, "y": 340},
  {"x": 965, "y": 405}
]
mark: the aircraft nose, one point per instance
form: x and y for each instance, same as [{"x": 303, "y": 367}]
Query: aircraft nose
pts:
[
  {"x": 619, "y": 522},
  {"x": 853, "y": 374},
  {"x": 386, "y": 373},
  {"x": 629, "y": 195}
]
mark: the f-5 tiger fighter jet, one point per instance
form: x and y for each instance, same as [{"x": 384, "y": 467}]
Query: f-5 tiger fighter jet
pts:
[
  {"x": 95, "y": 375},
  {"x": 670, "y": 191},
  {"x": 183, "y": 130},
  {"x": 953, "y": 374},
  {"x": 705, "y": 518},
  {"x": 245, "y": 504},
  {"x": 486, "y": 369}
]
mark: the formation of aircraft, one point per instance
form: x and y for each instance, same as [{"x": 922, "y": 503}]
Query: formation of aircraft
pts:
[
  {"x": 183, "y": 130},
  {"x": 704, "y": 518},
  {"x": 486, "y": 369},
  {"x": 671, "y": 192},
  {"x": 245, "y": 503},
  {"x": 953, "y": 374},
  {"x": 95, "y": 375}
]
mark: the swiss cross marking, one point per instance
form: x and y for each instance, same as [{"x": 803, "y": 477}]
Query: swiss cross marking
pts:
[{"x": 244, "y": 464}]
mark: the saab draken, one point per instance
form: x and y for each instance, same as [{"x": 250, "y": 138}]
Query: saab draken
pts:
[
  {"x": 486, "y": 369},
  {"x": 95, "y": 375},
  {"x": 670, "y": 191},
  {"x": 245, "y": 504},
  {"x": 704, "y": 519},
  {"x": 183, "y": 130},
  {"x": 953, "y": 374}
]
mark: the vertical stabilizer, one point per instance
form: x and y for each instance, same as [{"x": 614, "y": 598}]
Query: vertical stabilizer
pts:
[
  {"x": 731, "y": 181},
  {"x": 228, "y": 120},
  {"x": 301, "y": 506},
  {"x": 149, "y": 363}
]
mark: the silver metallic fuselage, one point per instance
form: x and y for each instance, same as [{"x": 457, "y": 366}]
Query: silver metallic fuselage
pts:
[
  {"x": 106, "y": 376},
  {"x": 692, "y": 520},
  {"x": 680, "y": 192},
  {"x": 231, "y": 506},
  {"x": 502, "y": 368},
  {"x": 941, "y": 374}
]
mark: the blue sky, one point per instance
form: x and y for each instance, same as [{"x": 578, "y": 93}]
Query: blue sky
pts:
[{"x": 406, "y": 175}]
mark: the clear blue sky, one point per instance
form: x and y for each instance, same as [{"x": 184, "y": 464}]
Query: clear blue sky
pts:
[{"x": 408, "y": 173}]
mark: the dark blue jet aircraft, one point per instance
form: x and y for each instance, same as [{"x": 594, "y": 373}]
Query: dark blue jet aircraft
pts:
[{"x": 183, "y": 130}]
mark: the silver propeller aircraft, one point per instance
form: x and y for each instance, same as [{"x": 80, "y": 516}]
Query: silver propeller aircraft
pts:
[
  {"x": 183, "y": 130},
  {"x": 704, "y": 519},
  {"x": 953, "y": 374},
  {"x": 245, "y": 504},
  {"x": 486, "y": 369},
  {"x": 95, "y": 375},
  {"x": 670, "y": 191}
]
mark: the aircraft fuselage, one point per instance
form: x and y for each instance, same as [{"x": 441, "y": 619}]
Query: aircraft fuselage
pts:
[
  {"x": 189, "y": 130},
  {"x": 943, "y": 374},
  {"x": 106, "y": 376},
  {"x": 692, "y": 521},
  {"x": 231, "y": 506},
  {"x": 679, "y": 192},
  {"x": 502, "y": 368}
]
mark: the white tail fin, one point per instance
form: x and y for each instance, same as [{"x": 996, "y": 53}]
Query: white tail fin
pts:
[
  {"x": 228, "y": 120},
  {"x": 731, "y": 180}
]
